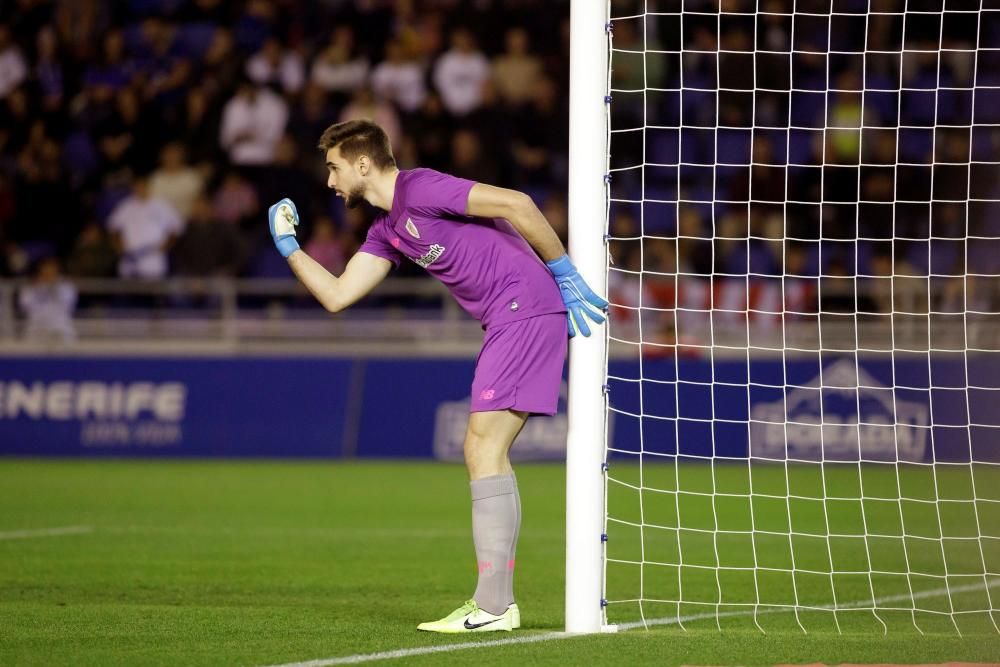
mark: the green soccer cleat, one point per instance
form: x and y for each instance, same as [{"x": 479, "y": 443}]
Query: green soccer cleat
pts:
[{"x": 470, "y": 618}]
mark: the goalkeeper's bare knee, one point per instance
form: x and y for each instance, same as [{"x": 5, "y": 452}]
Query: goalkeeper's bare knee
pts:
[{"x": 488, "y": 440}]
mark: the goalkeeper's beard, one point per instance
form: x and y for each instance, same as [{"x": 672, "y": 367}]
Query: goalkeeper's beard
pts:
[{"x": 355, "y": 196}]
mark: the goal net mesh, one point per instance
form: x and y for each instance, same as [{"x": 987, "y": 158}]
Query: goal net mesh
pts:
[{"x": 804, "y": 275}]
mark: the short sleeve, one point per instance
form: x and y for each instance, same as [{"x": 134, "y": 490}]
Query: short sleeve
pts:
[
  {"x": 435, "y": 194},
  {"x": 116, "y": 221},
  {"x": 378, "y": 242},
  {"x": 172, "y": 222}
]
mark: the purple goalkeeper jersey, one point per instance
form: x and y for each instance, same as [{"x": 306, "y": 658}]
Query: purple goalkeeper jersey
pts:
[{"x": 488, "y": 266}]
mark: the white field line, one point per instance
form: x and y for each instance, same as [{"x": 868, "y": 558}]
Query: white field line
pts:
[
  {"x": 424, "y": 650},
  {"x": 530, "y": 639},
  {"x": 859, "y": 605},
  {"x": 45, "y": 532}
]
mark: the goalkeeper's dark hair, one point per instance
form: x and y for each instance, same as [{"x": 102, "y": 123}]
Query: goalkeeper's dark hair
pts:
[{"x": 359, "y": 137}]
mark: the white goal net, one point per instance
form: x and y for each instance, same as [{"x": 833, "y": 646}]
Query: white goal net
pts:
[{"x": 804, "y": 373}]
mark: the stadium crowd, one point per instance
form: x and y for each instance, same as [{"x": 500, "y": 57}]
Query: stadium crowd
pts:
[
  {"x": 145, "y": 138},
  {"x": 841, "y": 159}
]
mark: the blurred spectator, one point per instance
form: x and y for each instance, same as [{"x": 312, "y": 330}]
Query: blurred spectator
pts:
[
  {"x": 431, "y": 129},
  {"x": 767, "y": 244},
  {"x": 255, "y": 23},
  {"x": 277, "y": 67},
  {"x": 355, "y": 229},
  {"x": 196, "y": 128},
  {"x": 45, "y": 205},
  {"x": 235, "y": 201},
  {"x": 799, "y": 286},
  {"x": 339, "y": 68},
  {"x": 635, "y": 73},
  {"x": 221, "y": 64},
  {"x": 310, "y": 117},
  {"x": 124, "y": 137},
  {"x": 26, "y": 17},
  {"x": 165, "y": 68},
  {"x": 467, "y": 159},
  {"x": 731, "y": 234},
  {"x": 400, "y": 79},
  {"x": 459, "y": 74},
  {"x": 837, "y": 291},
  {"x": 252, "y": 123},
  {"x": 287, "y": 178},
  {"x": 13, "y": 260},
  {"x": 515, "y": 71},
  {"x": 879, "y": 285},
  {"x": 206, "y": 11},
  {"x": 176, "y": 182},
  {"x": 766, "y": 177},
  {"x": 15, "y": 119},
  {"x": 694, "y": 243},
  {"x": 113, "y": 70},
  {"x": 13, "y": 66},
  {"x": 48, "y": 303},
  {"x": 425, "y": 38},
  {"x": 49, "y": 70},
  {"x": 494, "y": 125},
  {"x": 93, "y": 255},
  {"x": 143, "y": 230},
  {"x": 541, "y": 139},
  {"x": 365, "y": 105},
  {"x": 845, "y": 119},
  {"x": 80, "y": 24},
  {"x": 95, "y": 105},
  {"x": 326, "y": 247},
  {"x": 208, "y": 247},
  {"x": 625, "y": 287},
  {"x": 8, "y": 202}
]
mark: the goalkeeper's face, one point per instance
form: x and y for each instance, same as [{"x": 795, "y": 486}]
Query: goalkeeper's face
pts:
[{"x": 346, "y": 179}]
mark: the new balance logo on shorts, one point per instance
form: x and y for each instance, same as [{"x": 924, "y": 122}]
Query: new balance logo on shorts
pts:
[{"x": 487, "y": 394}]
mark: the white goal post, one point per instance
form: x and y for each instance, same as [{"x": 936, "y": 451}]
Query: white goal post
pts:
[{"x": 588, "y": 161}]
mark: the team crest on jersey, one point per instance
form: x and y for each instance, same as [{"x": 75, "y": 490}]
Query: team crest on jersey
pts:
[{"x": 412, "y": 228}]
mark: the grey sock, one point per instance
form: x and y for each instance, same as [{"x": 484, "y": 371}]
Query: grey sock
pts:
[{"x": 496, "y": 520}]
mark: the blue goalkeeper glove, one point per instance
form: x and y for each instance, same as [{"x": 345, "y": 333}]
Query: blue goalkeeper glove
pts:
[
  {"x": 580, "y": 300},
  {"x": 282, "y": 218}
]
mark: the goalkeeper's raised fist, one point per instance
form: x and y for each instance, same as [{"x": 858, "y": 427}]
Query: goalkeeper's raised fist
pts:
[
  {"x": 580, "y": 300},
  {"x": 282, "y": 218}
]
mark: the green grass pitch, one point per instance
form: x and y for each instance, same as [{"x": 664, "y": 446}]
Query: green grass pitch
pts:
[{"x": 258, "y": 563}]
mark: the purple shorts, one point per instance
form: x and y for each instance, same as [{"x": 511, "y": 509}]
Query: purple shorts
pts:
[{"x": 520, "y": 366}]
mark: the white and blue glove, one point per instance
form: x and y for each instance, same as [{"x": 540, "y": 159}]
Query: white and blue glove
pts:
[
  {"x": 282, "y": 218},
  {"x": 580, "y": 300}
]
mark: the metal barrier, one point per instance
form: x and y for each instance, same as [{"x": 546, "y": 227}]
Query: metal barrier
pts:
[
  {"x": 219, "y": 314},
  {"x": 418, "y": 317}
]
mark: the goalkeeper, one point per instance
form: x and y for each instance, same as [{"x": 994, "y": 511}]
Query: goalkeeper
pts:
[{"x": 484, "y": 244}]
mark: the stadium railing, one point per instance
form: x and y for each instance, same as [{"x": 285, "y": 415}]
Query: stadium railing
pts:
[
  {"x": 405, "y": 315},
  {"x": 414, "y": 316}
]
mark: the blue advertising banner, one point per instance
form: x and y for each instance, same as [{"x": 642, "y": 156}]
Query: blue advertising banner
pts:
[
  {"x": 834, "y": 409},
  {"x": 172, "y": 407}
]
